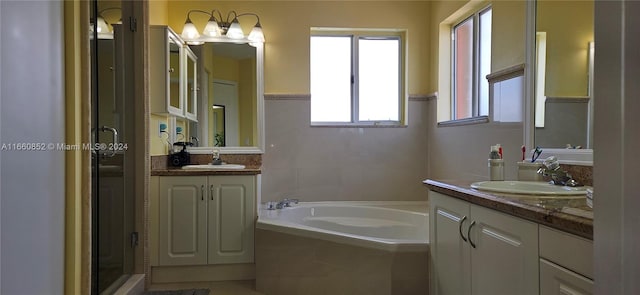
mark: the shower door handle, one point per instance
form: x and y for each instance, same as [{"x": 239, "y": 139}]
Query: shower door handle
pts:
[{"x": 115, "y": 145}]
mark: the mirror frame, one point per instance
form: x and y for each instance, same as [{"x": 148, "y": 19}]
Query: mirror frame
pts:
[
  {"x": 260, "y": 147},
  {"x": 583, "y": 157}
]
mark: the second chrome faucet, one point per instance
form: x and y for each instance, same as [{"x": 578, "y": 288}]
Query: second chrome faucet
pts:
[{"x": 551, "y": 167}]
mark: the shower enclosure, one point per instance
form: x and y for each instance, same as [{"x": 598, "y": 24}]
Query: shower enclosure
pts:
[{"x": 113, "y": 238}]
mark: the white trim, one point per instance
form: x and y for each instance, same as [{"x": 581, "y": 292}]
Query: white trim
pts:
[
  {"x": 184, "y": 76},
  {"x": 260, "y": 96},
  {"x": 529, "y": 74},
  {"x": 260, "y": 147}
]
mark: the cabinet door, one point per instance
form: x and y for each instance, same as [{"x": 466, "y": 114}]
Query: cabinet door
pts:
[
  {"x": 165, "y": 71},
  {"x": 175, "y": 72},
  {"x": 448, "y": 221},
  {"x": 183, "y": 220},
  {"x": 505, "y": 257},
  {"x": 557, "y": 280},
  {"x": 191, "y": 85},
  {"x": 231, "y": 219}
]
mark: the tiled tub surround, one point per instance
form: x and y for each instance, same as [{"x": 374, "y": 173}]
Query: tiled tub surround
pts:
[
  {"x": 299, "y": 258},
  {"x": 568, "y": 215},
  {"x": 342, "y": 163}
]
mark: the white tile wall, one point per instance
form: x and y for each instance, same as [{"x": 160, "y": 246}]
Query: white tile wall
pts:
[
  {"x": 322, "y": 163},
  {"x": 461, "y": 152}
]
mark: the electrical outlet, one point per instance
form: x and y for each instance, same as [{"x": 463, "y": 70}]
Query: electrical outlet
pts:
[{"x": 162, "y": 127}]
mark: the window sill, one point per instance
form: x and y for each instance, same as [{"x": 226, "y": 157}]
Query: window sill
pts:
[{"x": 466, "y": 121}]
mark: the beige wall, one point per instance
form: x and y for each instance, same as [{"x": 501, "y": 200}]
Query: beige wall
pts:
[
  {"x": 157, "y": 145},
  {"x": 158, "y": 13},
  {"x": 286, "y": 27}
]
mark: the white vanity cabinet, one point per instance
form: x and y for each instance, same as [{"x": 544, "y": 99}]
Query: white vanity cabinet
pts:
[
  {"x": 566, "y": 263},
  {"x": 475, "y": 250},
  {"x": 172, "y": 74},
  {"x": 202, "y": 220}
]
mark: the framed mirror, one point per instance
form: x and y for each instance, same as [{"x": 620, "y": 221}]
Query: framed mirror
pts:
[
  {"x": 231, "y": 98},
  {"x": 559, "y": 115}
]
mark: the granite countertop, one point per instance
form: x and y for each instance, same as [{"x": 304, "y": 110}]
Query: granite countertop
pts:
[
  {"x": 249, "y": 170},
  {"x": 569, "y": 215},
  {"x": 159, "y": 165}
]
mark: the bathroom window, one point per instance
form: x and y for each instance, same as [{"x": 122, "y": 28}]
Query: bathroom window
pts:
[
  {"x": 471, "y": 63},
  {"x": 357, "y": 78}
]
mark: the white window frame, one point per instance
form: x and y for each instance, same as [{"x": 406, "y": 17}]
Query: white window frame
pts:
[
  {"x": 476, "y": 78},
  {"x": 377, "y": 34}
]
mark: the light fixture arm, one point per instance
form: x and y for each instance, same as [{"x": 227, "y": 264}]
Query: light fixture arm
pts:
[
  {"x": 197, "y": 10},
  {"x": 235, "y": 16},
  {"x": 219, "y": 14},
  {"x": 250, "y": 13}
]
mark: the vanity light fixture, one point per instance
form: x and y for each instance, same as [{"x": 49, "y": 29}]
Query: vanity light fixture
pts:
[{"x": 219, "y": 29}]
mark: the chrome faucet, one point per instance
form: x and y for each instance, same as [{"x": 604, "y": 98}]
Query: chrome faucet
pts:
[
  {"x": 215, "y": 157},
  {"x": 281, "y": 204},
  {"x": 551, "y": 167},
  {"x": 196, "y": 140}
]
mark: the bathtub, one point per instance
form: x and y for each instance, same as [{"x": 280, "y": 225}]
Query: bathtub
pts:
[
  {"x": 390, "y": 226},
  {"x": 343, "y": 248}
]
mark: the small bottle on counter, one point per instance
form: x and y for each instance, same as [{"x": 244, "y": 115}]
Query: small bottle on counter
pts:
[{"x": 496, "y": 164}]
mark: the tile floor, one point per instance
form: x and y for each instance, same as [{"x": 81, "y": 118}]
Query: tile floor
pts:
[{"x": 217, "y": 288}]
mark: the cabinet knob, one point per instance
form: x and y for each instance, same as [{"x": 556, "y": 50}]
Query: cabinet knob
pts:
[
  {"x": 171, "y": 70},
  {"x": 202, "y": 190},
  {"x": 211, "y": 191}
]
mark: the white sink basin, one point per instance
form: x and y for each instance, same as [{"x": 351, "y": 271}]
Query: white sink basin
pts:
[
  {"x": 530, "y": 188},
  {"x": 214, "y": 167}
]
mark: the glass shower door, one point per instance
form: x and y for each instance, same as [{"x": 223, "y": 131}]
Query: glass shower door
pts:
[{"x": 112, "y": 193}]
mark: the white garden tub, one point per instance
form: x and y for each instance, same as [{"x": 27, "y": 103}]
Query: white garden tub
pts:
[{"x": 390, "y": 226}]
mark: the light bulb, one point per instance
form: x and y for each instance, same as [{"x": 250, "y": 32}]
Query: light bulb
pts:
[
  {"x": 235, "y": 31},
  {"x": 256, "y": 34},
  {"x": 189, "y": 30},
  {"x": 212, "y": 29}
]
